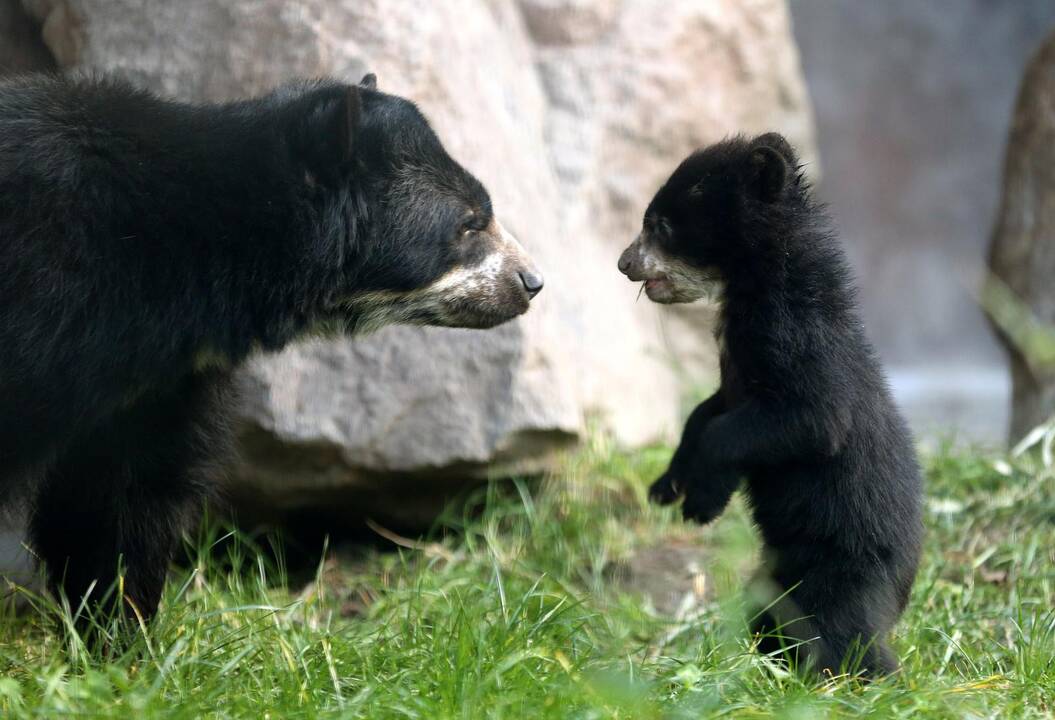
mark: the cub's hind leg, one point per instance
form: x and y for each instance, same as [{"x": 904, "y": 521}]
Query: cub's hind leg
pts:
[{"x": 826, "y": 624}]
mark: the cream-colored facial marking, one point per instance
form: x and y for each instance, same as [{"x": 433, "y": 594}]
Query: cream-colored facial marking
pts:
[
  {"x": 667, "y": 279},
  {"x": 375, "y": 310},
  {"x": 493, "y": 285},
  {"x": 209, "y": 359},
  {"x": 504, "y": 261}
]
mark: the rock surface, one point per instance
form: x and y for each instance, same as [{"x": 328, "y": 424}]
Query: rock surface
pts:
[
  {"x": 1022, "y": 255},
  {"x": 668, "y": 577},
  {"x": 571, "y": 112}
]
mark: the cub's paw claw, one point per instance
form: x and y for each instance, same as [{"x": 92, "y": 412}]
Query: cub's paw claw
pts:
[{"x": 666, "y": 490}]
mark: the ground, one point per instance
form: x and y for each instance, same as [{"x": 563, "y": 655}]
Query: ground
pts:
[{"x": 530, "y": 606}]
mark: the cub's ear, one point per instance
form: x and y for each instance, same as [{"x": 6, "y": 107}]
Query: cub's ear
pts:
[
  {"x": 779, "y": 143},
  {"x": 767, "y": 173},
  {"x": 325, "y": 129},
  {"x": 369, "y": 82}
]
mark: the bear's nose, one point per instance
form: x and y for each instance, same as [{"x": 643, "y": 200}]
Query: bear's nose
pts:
[
  {"x": 532, "y": 282},
  {"x": 626, "y": 259}
]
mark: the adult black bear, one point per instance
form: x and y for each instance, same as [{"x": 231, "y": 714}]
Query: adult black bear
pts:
[
  {"x": 147, "y": 247},
  {"x": 803, "y": 411}
]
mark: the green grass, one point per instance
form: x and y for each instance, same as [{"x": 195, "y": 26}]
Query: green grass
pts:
[{"x": 514, "y": 610}]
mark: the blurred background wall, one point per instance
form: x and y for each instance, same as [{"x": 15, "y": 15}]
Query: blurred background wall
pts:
[{"x": 913, "y": 101}]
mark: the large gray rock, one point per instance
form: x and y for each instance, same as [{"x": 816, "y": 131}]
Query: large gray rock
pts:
[
  {"x": 571, "y": 113},
  {"x": 1022, "y": 255}
]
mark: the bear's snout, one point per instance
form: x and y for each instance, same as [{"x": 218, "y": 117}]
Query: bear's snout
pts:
[
  {"x": 493, "y": 290},
  {"x": 631, "y": 262},
  {"x": 531, "y": 280}
]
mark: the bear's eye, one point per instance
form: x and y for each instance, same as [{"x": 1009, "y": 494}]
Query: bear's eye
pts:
[
  {"x": 472, "y": 225},
  {"x": 662, "y": 230}
]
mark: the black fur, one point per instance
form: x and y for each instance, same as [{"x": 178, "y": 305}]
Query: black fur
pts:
[
  {"x": 803, "y": 413},
  {"x": 142, "y": 239}
]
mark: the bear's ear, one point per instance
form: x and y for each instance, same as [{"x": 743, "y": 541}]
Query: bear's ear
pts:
[
  {"x": 767, "y": 173},
  {"x": 325, "y": 131},
  {"x": 779, "y": 143},
  {"x": 369, "y": 82}
]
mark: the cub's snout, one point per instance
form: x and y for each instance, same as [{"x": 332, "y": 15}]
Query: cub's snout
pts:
[
  {"x": 667, "y": 279},
  {"x": 632, "y": 261}
]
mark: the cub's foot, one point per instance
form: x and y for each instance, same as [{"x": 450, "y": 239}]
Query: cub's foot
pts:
[{"x": 666, "y": 490}]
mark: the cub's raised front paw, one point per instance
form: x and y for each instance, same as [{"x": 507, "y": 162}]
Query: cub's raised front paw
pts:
[
  {"x": 666, "y": 490},
  {"x": 700, "y": 507}
]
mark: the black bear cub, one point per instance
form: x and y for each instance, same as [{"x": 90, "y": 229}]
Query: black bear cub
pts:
[
  {"x": 148, "y": 246},
  {"x": 803, "y": 414}
]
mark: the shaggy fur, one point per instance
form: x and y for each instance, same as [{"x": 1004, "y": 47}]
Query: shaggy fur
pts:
[
  {"x": 149, "y": 246},
  {"x": 803, "y": 413}
]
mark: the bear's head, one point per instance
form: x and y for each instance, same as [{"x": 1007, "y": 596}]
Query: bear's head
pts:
[
  {"x": 701, "y": 227},
  {"x": 416, "y": 237}
]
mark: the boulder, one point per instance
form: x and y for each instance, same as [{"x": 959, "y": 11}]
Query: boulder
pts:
[
  {"x": 571, "y": 112},
  {"x": 1021, "y": 295}
]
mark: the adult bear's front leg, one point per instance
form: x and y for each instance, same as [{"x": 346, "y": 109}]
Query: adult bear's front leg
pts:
[{"x": 123, "y": 494}]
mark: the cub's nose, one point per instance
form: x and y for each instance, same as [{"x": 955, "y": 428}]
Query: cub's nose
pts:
[
  {"x": 626, "y": 259},
  {"x": 532, "y": 281}
]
